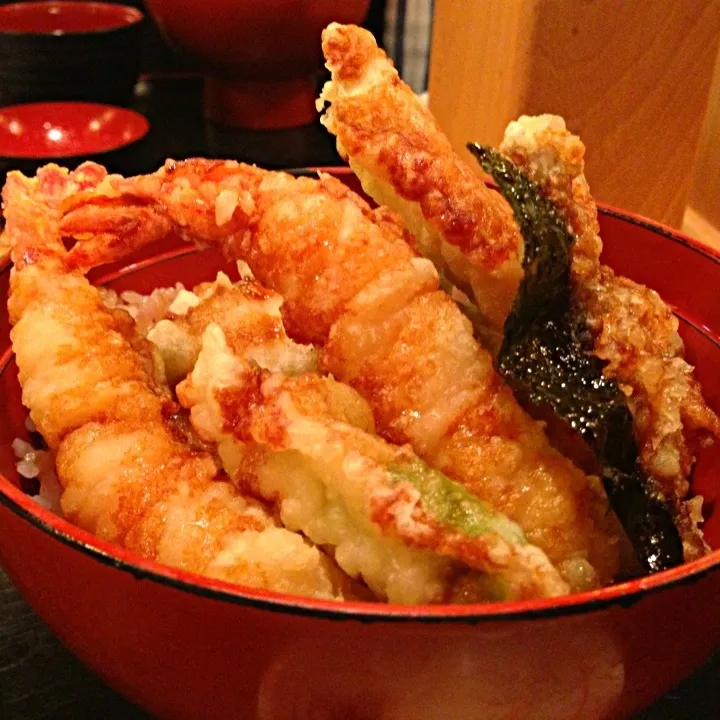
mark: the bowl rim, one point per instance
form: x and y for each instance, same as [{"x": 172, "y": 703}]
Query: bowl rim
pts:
[
  {"x": 134, "y": 16},
  {"x": 620, "y": 595},
  {"x": 143, "y": 124}
]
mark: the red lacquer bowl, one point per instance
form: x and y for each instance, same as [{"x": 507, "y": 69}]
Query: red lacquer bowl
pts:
[
  {"x": 69, "y": 50},
  {"x": 60, "y": 17},
  {"x": 185, "y": 647},
  {"x": 259, "y": 58}
]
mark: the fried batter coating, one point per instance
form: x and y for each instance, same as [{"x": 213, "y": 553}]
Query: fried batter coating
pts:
[
  {"x": 352, "y": 283},
  {"x": 293, "y": 441},
  {"x": 247, "y": 313},
  {"x": 632, "y": 328},
  {"x": 430, "y": 384},
  {"x": 125, "y": 476},
  {"x": 351, "y": 504},
  {"x": 404, "y": 161}
]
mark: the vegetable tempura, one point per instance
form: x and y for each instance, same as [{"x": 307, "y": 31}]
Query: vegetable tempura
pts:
[
  {"x": 403, "y": 159},
  {"x": 352, "y": 283}
]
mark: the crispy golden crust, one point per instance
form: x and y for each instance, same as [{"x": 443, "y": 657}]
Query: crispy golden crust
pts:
[
  {"x": 634, "y": 331},
  {"x": 405, "y": 161},
  {"x": 227, "y": 307},
  {"x": 421, "y": 371},
  {"x": 345, "y": 487},
  {"x": 351, "y": 282},
  {"x": 295, "y": 218},
  {"x": 126, "y": 474}
]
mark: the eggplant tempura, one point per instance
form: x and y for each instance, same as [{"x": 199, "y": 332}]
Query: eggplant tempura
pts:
[{"x": 402, "y": 158}]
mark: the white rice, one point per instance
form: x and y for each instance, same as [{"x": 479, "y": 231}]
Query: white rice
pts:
[
  {"x": 40, "y": 464},
  {"x": 146, "y": 310}
]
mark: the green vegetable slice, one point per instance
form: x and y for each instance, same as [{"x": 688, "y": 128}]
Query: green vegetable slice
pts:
[
  {"x": 546, "y": 357},
  {"x": 452, "y": 505}
]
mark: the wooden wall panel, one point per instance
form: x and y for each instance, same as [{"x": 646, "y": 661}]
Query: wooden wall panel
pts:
[
  {"x": 705, "y": 192},
  {"x": 632, "y": 78}
]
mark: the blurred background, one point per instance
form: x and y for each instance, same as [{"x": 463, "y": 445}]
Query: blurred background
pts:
[
  {"x": 262, "y": 67},
  {"x": 637, "y": 81}
]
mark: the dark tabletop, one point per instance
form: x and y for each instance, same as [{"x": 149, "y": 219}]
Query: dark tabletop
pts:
[{"x": 39, "y": 678}]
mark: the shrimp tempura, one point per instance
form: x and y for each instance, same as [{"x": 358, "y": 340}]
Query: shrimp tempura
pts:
[
  {"x": 404, "y": 160},
  {"x": 306, "y": 444},
  {"x": 412, "y": 535},
  {"x": 125, "y": 476}
]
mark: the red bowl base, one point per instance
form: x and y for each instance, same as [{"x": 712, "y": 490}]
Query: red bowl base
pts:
[{"x": 270, "y": 105}]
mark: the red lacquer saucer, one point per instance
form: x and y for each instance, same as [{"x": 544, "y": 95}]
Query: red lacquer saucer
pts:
[{"x": 67, "y": 129}]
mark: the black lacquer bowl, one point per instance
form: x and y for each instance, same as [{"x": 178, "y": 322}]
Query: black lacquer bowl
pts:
[{"x": 69, "y": 51}]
